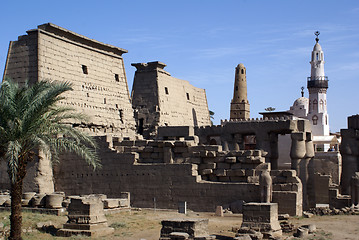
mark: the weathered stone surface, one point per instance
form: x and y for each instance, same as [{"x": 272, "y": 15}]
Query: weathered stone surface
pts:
[
  {"x": 57, "y": 54},
  {"x": 86, "y": 217},
  {"x": 261, "y": 217},
  {"x": 162, "y": 100},
  {"x": 54, "y": 200},
  {"x": 193, "y": 227}
]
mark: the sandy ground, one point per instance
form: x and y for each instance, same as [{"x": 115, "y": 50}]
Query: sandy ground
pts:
[{"x": 146, "y": 224}]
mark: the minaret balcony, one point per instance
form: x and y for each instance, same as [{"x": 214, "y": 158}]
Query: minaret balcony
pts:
[{"x": 317, "y": 82}]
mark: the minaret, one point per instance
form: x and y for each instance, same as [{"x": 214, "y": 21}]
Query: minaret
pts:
[
  {"x": 317, "y": 87},
  {"x": 239, "y": 103}
]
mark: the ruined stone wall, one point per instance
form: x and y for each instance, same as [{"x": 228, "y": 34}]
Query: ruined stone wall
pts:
[
  {"x": 167, "y": 183},
  {"x": 21, "y": 62},
  {"x": 162, "y": 100},
  {"x": 172, "y": 171},
  {"x": 96, "y": 71},
  {"x": 209, "y": 161}
]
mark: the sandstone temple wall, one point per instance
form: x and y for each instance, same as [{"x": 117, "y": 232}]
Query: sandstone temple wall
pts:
[
  {"x": 167, "y": 183},
  {"x": 162, "y": 100},
  {"x": 96, "y": 71}
]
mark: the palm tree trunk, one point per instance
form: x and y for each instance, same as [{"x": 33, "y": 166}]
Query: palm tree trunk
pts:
[{"x": 16, "y": 217}]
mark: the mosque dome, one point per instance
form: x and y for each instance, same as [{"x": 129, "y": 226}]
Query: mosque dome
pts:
[
  {"x": 317, "y": 47},
  {"x": 300, "y": 107},
  {"x": 302, "y": 101}
]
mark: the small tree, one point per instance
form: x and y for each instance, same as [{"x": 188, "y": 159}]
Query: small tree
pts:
[
  {"x": 30, "y": 119},
  {"x": 211, "y": 116},
  {"x": 269, "y": 109}
]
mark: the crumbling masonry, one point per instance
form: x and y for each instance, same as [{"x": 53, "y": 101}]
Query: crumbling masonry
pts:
[{"x": 159, "y": 144}]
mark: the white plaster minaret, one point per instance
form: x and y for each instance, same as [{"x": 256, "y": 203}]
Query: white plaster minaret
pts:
[{"x": 317, "y": 87}]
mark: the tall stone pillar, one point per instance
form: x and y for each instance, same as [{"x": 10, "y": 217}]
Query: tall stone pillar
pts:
[
  {"x": 273, "y": 141},
  {"x": 349, "y": 150},
  {"x": 307, "y": 174},
  {"x": 355, "y": 189},
  {"x": 297, "y": 153},
  {"x": 239, "y": 103},
  {"x": 297, "y": 150},
  {"x": 265, "y": 183}
]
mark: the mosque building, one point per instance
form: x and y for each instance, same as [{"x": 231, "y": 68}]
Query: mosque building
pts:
[{"x": 315, "y": 108}]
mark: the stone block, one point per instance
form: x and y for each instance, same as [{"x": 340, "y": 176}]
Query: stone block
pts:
[
  {"x": 205, "y": 171},
  {"x": 236, "y": 166},
  {"x": 54, "y": 200},
  {"x": 219, "y": 159},
  {"x": 111, "y": 203},
  {"x": 175, "y": 131},
  {"x": 237, "y": 153},
  {"x": 236, "y": 173},
  {"x": 148, "y": 149},
  {"x": 224, "y": 165},
  {"x": 224, "y": 178},
  {"x": 195, "y": 160},
  {"x": 141, "y": 143},
  {"x": 238, "y": 179},
  {"x": 261, "y": 217},
  {"x": 289, "y": 173},
  {"x": 180, "y": 149},
  {"x": 230, "y": 159},
  {"x": 288, "y": 202},
  {"x": 219, "y": 211},
  {"x": 85, "y": 217},
  {"x": 207, "y": 166},
  {"x": 196, "y": 154},
  {"x": 128, "y": 143},
  {"x": 250, "y": 172},
  {"x": 220, "y": 172},
  {"x": 168, "y": 144},
  {"x": 193, "y": 227}
]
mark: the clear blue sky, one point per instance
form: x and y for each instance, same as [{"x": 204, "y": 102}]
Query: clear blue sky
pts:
[{"x": 203, "y": 41}]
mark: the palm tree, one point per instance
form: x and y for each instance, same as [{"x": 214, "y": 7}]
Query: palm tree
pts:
[{"x": 30, "y": 119}]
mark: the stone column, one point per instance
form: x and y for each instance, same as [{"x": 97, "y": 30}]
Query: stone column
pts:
[
  {"x": 306, "y": 175},
  {"x": 355, "y": 189},
  {"x": 265, "y": 183},
  {"x": 297, "y": 150},
  {"x": 349, "y": 150},
  {"x": 263, "y": 143},
  {"x": 167, "y": 154},
  {"x": 225, "y": 145},
  {"x": 44, "y": 174},
  {"x": 238, "y": 142},
  {"x": 273, "y": 141}
]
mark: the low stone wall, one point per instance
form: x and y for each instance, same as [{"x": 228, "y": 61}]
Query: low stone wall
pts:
[
  {"x": 213, "y": 163},
  {"x": 202, "y": 175},
  {"x": 287, "y": 192},
  {"x": 163, "y": 184}
]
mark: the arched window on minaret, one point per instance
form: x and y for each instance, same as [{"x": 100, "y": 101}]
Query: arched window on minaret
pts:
[
  {"x": 321, "y": 103},
  {"x": 315, "y": 120},
  {"x": 310, "y": 105},
  {"x": 242, "y": 71},
  {"x": 315, "y": 104},
  {"x": 317, "y": 56},
  {"x": 326, "y": 119}
]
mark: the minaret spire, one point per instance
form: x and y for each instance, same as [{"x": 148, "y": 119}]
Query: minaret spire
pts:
[
  {"x": 317, "y": 34},
  {"x": 317, "y": 86},
  {"x": 239, "y": 103}
]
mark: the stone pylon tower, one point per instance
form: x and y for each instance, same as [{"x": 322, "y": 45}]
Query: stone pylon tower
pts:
[
  {"x": 239, "y": 103},
  {"x": 317, "y": 87}
]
